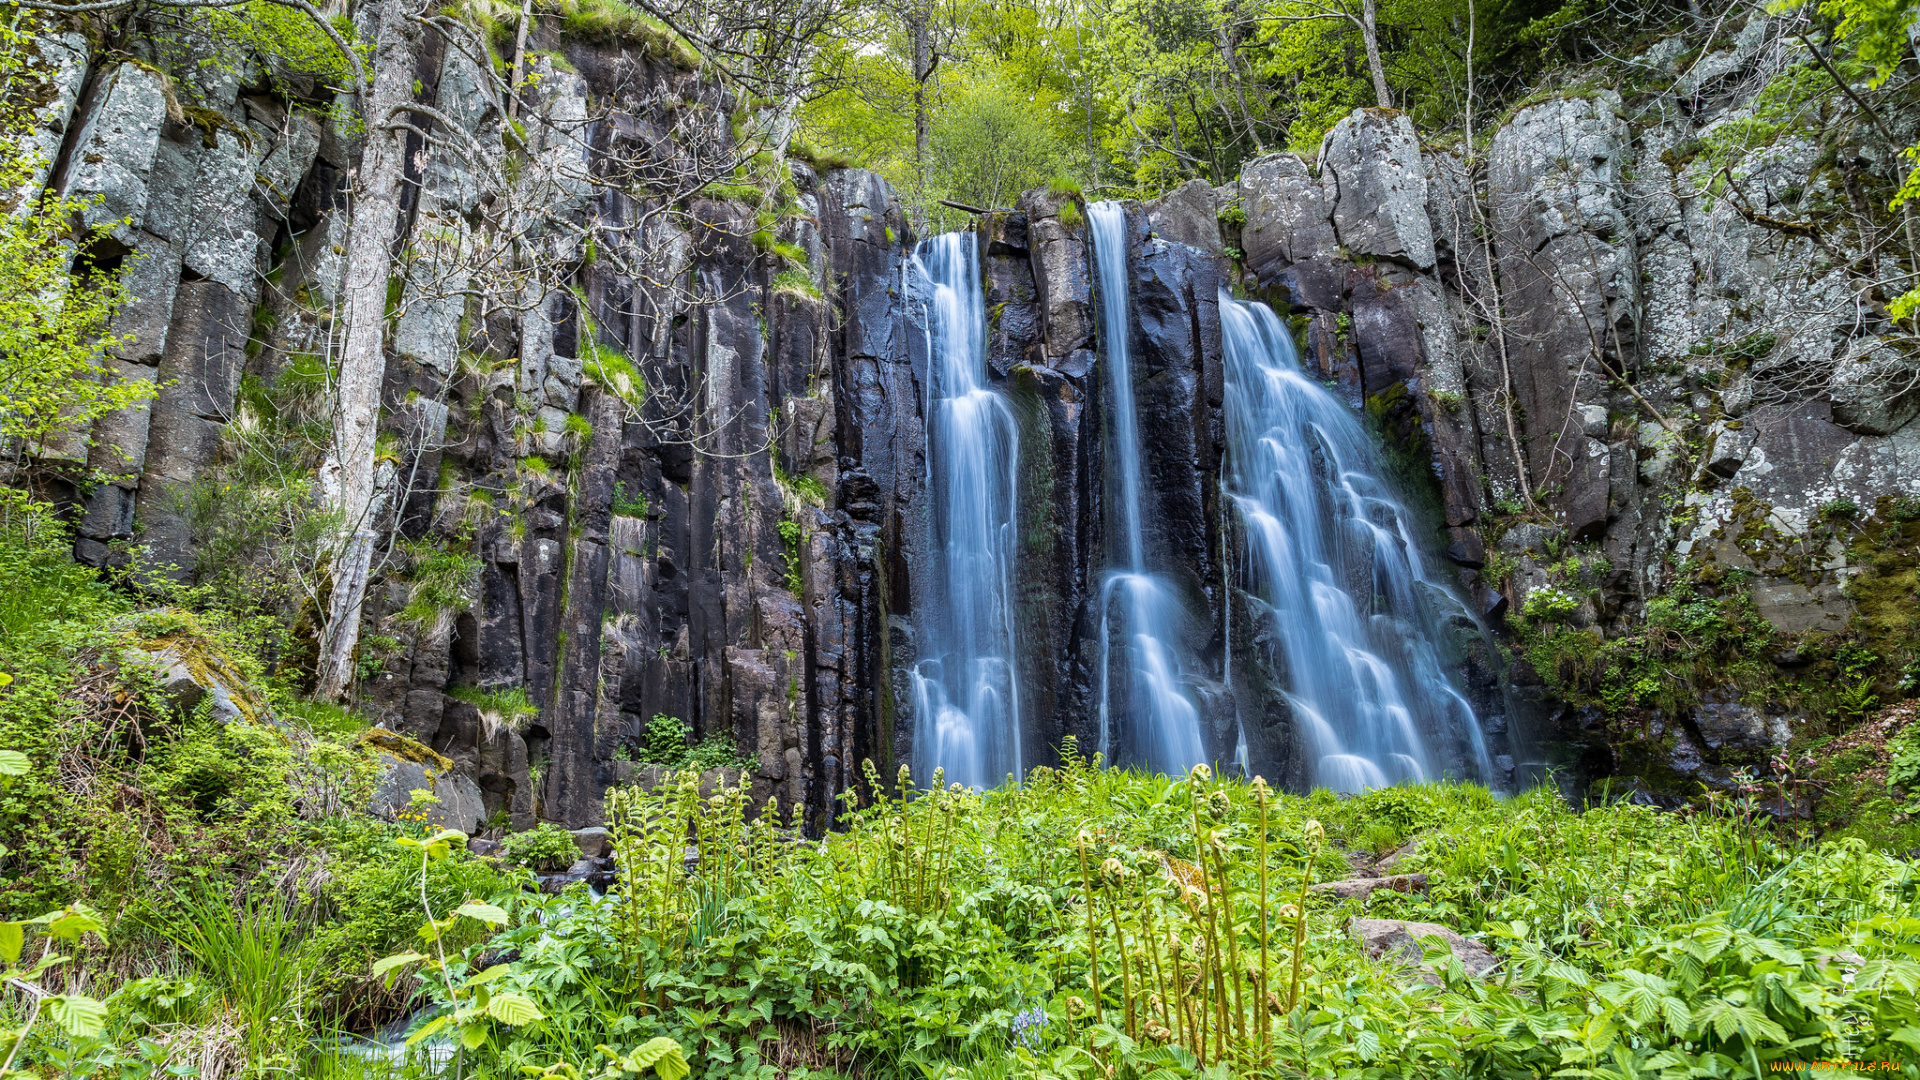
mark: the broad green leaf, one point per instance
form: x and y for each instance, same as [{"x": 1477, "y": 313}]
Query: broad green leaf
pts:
[
  {"x": 473, "y": 1035},
  {"x": 13, "y": 937},
  {"x": 512, "y": 1008},
  {"x": 69, "y": 924},
  {"x": 667, "y": 1059},
  {"x": 485, "y": 913},
  {"x": 429, "y": 1029},
  {"x": 48, "y": 961},
  {"x": 82, "y": 1017},
  {"x": 13, "y": 762},
  {"x": 487, "y": 976},
  {"x": 388, "y": 965}
]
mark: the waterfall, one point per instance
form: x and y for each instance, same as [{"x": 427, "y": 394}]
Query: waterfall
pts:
[
  {"x": 1330, "y": 552},
  {"x": 965, "y": 694},
  {"x": 1162, "y": 729}
]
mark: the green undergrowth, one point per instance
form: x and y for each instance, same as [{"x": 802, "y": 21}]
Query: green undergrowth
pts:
[
  {"x": 948, "y": 933},
  {"x": 225, "y": 907},
  {"x": 1703, "y": 636},
  {"x": 1084, "y": 923},
  {"x": 668, "y": 741},
  {"x": 201, "y": 856}
]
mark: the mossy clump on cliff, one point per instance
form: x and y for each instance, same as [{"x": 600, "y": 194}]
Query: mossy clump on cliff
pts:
[
  {"x": 607, "y": 22},
  {"x": 406, "y": 749}
]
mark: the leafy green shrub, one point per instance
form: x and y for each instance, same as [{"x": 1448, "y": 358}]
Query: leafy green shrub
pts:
[
  {"x": 666, "y": 740},
  {"x": 370, "y": 905},
  {"x": 546, "y": 847},
  {"x": 716, "y": 751},
  {"x": 628, "y": 505},
  {"x": 1841, "y": 509},
  {"x": 1903, "y": 772},
  {"x": 791, "y": 536}
]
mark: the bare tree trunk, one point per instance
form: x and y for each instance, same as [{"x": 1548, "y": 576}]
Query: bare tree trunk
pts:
[
  {"x": 519, "y": 59},
  {"x": 1086, "y": 87},
  {"x": 347, "y": 477},
  {"x": 923, "y": 61},
  {"x": 1466, "y": 114},
  {"x": 1231, "y": 55},
  {"x": 1371, "y": 33}
]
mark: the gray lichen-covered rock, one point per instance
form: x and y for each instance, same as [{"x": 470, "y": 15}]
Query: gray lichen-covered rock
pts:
[
  {"x": 1875, "y": 387},
  {"x": 1362, "y": 887},
  {"x": 1403, "y": 944},
  {"x": 112, "y": 154},
  {"x": 1289, "y": 215},
  {"x": 1569, "y": 285},
  {"x": 1371, "y": 160},
  {"x": 406, "y": 767},
  {"x": 60, "y": 58},
  {"x": 191, "y": 673},
  {"x": 1727, "y": 725},
  {"x": 1187, "y": 215},
  {"x": 222, "y": 244}
]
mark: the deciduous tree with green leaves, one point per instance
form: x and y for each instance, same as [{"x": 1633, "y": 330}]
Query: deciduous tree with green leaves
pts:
[{"x": 56, "y": 298}]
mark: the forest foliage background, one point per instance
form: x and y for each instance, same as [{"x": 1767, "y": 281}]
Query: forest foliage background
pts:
[{"x": 975, "y": 102}]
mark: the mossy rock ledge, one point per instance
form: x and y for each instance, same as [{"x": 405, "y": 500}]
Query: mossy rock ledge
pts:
[{"x": 407, "y": 766}]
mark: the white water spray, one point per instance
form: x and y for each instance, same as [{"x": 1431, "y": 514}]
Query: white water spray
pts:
[
  {"x": 1153, "y": 711},
  {"x": 966, "y": 695},
  {"x": 1331, "y": 554}
]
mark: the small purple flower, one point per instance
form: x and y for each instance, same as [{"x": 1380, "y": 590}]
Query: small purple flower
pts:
[{"x": 1025, "y": 1027}]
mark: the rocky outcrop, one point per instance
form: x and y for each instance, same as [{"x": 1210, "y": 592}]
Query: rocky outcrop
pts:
[
  {"x": 1621, "y": 313},
  {"x": 406, "y": 767},
  {"x": 1403, "y": 944},
  {"x": 1360, "y": 888},
  {"x": 731, "y": 563}
]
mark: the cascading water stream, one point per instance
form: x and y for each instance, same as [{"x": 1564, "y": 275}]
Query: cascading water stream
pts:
[
  {"x": 1330, "y": 552},
  {"x": 1163, "y": 725},
  {"x": 966, "y": 697}
]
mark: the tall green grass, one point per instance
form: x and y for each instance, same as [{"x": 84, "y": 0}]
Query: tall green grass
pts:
[{"x": 251, "y": 952}]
